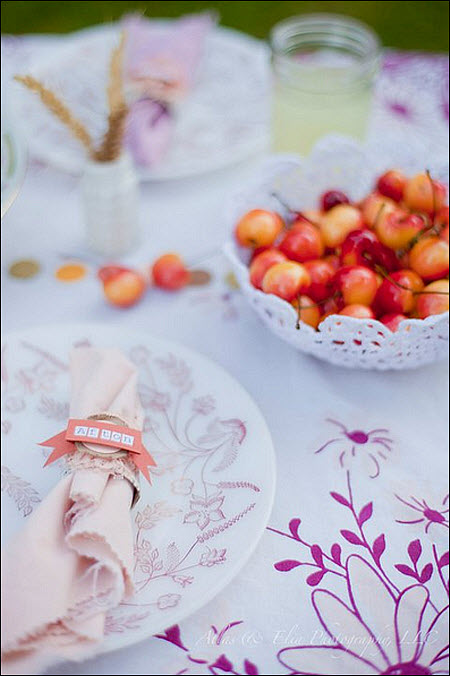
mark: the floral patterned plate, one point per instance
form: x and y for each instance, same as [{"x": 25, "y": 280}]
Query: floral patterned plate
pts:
[{"x": 213, "y": 486}]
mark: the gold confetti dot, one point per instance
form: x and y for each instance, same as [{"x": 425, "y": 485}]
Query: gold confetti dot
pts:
[
  {"x": 71, "y": 272},
  {"x": 231, "y": 280},
  {"x": 199, "y": 277},
  {"x": 24, "y": 269}
]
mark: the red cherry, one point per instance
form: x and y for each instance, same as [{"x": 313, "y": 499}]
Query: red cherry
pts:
[
  {"x": 169, "y": 272},
  {"x": 358, "y": 311},
  {"x": 357, "y": 284},
  {"x": 356, "y": 247},
  {"x": 108, "y": 272},
  {"x": 336, "y": 224},
  {"x": 258, "y": 228},
  {"x": 441, "y": 221},
  {"x": 261, "y": 263},
  {"x": 393, "y": 320},
  {"x": 322, "y": 275},
  {"x": 422, "y": 193},
  {"x": 331, "y": 198},
  {"x": 429, "y": 257},
  {"x": 122, "y": 286},
  {"x": 434, "y": 300},
  {"x": 392, "y": 184},
  {"x": 307, "y": 310},
  {"x": 332, "y": 306},
  {"x": 286, "y": 280},
  {"x": 333, "y": 260},
  {"x": 398, "y": 228},
  {"x": 376, "y": 206},
  {"x": 258, "y": 250},
  {"x": 303, "y": 242},
  {"x": 397, "y": 294}
]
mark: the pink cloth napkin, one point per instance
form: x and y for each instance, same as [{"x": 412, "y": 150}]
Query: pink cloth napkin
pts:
[
  {"x": 73, "y": 560},
  {"x": 160, "y": 67}
]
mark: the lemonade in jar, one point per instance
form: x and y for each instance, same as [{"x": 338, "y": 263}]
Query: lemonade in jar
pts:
[{"x": 324, "y": 70}]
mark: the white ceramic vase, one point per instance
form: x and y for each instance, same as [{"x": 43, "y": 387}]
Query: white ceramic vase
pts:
[{"x": 110, "y": 204}]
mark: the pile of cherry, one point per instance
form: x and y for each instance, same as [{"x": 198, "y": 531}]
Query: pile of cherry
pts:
[{"x": 385, "y": 257}]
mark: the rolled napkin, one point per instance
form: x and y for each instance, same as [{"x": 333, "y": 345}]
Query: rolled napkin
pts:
[
  {"x": 160, "y": 67},
  {"x": 73, "y": 560}
]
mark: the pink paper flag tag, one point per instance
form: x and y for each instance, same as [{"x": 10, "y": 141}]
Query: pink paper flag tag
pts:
[{"x": 102, "y": 438}]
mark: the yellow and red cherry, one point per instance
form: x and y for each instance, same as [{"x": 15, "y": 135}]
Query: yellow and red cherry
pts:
[
  {"x": 261, "y": 263},
  {"x": 442, "y": 217},
  {"x": 376, "y": 206},
  {"x": 122, "y": 286},
  {"x": 393, "y": 320},
  {"x": 257, "y": 251},
  {"x": 422, "y": 193},
  {"x": 441, "y": 222},
  {"x": 307, "y": 310},
  {"x": 357, "y": 284},
  {"x": 434, "y": 299},
  {"x": 169, "y": 272},
  {"x": 397, "y": 228},
  {"x": 108, "y": 272},
  {"x": 392, "y": 184},
  {"x": 429, "y": 257},
  {"x": 331, "y": 198},
  {"x": 397, "y": 294},
  {"x": 362, "y": 247},
  {"x": 357, "y": 247},
  {"x": 333, "y": 260},
  {"x": 322, "y": 274},
  {"x": 258, "y": 228},
  {"x": 302, "y": 242},
  {"x": 338, "y": 222},
  {"x": 358, "y": 311},
  {"x": 312, "y": 216},
  {"x": 286, "y": 280}
]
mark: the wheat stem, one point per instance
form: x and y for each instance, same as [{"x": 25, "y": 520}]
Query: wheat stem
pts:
[{"x": 59, "y": 109}]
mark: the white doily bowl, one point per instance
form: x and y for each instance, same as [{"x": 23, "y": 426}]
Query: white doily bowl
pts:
[{"x": 340, "y": 163}]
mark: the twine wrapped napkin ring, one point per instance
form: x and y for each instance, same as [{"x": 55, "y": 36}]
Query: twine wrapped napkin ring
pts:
[{"x": 106, "y": 442}]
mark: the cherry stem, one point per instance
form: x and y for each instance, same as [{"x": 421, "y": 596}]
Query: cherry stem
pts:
[
  {"x": 301, "y": 307},
  {"x": 283, "y": 203},
  {"x": 378, "y": 216},
  {"x": 387, "y": 276},
  {"x": 290, "y": 210}
]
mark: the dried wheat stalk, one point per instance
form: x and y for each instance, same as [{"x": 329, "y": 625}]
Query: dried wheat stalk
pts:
[
  {"x": 59, "y": 109},
  {"x": 111, "y": 144},
  {"x": 116, "y": 99}
]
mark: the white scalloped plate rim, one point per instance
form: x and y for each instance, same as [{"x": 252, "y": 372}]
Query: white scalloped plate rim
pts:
[{"x": 263, "y": 449}]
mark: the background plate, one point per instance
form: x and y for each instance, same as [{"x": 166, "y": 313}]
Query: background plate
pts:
[{"x": 223, "y": 121}]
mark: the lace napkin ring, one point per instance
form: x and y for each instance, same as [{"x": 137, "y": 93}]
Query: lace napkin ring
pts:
[{"x": 103, "y": 455}]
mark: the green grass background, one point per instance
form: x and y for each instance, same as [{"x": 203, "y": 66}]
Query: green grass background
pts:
[{"x": 406, "y": 25}]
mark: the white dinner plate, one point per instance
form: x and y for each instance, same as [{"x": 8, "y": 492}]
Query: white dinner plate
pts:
[
  {"x": 223, "y": 121},
  {"x": 213, "y": 486}
]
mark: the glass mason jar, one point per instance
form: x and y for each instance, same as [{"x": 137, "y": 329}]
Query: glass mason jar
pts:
[{"x": 324, "y": 69}]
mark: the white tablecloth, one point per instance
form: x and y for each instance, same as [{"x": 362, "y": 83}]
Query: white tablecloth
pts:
[{"x": 339, "y": 577}]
